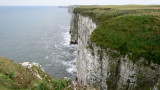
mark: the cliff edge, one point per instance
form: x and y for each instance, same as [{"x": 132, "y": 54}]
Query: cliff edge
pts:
[{"x": 118, "y": 46}]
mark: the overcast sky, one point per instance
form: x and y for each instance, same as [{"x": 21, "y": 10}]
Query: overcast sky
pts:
[{"x": 73, "y": 2}]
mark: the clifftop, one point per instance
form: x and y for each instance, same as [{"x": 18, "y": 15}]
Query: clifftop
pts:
[
  {"x": 130, "y": 29},
  {"x": 27, "y": 76}
]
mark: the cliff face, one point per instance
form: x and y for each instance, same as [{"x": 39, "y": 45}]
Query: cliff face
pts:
[
  {"x": 71, "y": 8},
  {"x": 74, "y": 29},
  {"x": 106, "y": 68}
]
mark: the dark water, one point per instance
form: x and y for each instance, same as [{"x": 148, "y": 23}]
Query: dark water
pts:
[{"x": 38, "y": 34}]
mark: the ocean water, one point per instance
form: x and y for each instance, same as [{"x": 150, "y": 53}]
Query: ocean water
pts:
[{"x": 38, "y": 34}]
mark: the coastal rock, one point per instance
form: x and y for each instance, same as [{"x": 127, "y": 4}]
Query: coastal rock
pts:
[
  {"x": 30, "y": 65},
  {"x": 74, "y": 29}
]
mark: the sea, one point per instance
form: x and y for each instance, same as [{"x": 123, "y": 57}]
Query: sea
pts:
[{"x": 38, "y": 34}]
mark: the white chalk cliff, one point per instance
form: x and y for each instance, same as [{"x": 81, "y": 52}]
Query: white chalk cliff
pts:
[{"x": 101, "y": 68}]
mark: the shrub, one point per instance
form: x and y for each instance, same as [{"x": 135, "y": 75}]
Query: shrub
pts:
[
  {"x": 60, "y": 84},
  {"x": 43, "y": 86}
]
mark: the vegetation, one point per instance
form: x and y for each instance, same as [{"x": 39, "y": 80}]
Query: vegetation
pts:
[
  {"x": 16, "y": 77},
  {"x": 129, "y": 29}
]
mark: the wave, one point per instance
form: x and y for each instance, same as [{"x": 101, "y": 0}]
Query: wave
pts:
[
  {"x": 65, "y": 53},
  {"x": 66, "y": 36}
]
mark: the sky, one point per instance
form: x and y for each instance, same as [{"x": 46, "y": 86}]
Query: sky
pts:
[{"x": 74, "y": 2}]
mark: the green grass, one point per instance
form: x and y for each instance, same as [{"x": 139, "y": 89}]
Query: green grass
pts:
[
  {"x": 60, "y": 84},
  {"x": 129, "y": 29},
  {"x": 15, "y": 77}
]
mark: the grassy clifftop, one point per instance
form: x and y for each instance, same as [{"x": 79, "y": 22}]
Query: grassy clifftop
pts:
[
  {"x": 129, "y": 29},
  {"x": 17, "y": 77}
]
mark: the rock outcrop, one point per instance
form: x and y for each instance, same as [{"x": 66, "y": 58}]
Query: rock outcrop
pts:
[
  {"x": 71, "y": 8},
  {"x": 74, "y": 29},
  {"x": 106, "y": 68}
]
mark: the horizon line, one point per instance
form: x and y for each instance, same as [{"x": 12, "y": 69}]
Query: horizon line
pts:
[{"x": 77, "y": 5}]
